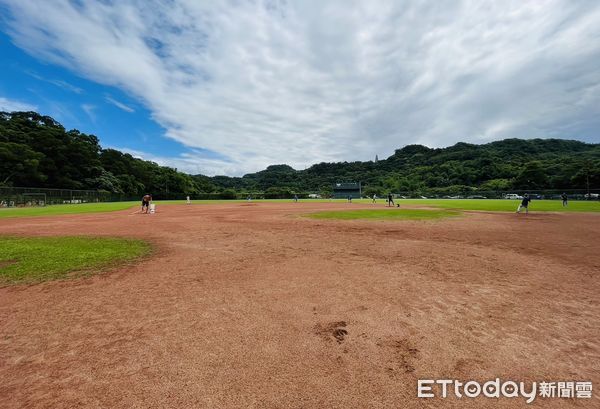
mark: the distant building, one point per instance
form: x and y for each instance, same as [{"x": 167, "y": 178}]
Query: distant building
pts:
[
  {"x": 342, "y": 190},
  {"x": 376, "y": 158}
]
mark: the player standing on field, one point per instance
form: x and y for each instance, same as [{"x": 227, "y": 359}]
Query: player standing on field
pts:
[
  {"x": 390, "y": 200},
  {"x": 524, "y": 203},
  {"x": 146, "y": 202},
  {"x": 565, "y": 199}
]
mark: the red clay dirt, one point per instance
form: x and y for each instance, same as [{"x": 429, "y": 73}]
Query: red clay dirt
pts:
[{"x": 252, "y": 306}]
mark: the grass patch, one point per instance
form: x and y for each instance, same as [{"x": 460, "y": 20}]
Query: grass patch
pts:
[
  {"x": 385, "y": 214},
  {"x": 65, "y": 209},
  {"x": 36, "y": 259}
]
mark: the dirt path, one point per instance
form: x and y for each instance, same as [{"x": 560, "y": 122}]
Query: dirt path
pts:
[{"x": 251, "y": 306}]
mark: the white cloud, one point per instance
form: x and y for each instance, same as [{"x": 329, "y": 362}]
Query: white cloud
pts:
[
  {"x": 192, "y": 162},
  {"x": 59, "y": 83},
  {"x": 89, "y": 110},
  {"x": 266, "y": 82},
  {"x": 9, "y": 105},
  {"x": 119, "y": 104}
]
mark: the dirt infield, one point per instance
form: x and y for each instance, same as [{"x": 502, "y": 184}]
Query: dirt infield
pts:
[{"x": 251, "y": 306}]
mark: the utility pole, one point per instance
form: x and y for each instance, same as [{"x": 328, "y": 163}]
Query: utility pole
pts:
[
  {"x": 587, "y": 181},
  {"x": 587, "y": 166}
]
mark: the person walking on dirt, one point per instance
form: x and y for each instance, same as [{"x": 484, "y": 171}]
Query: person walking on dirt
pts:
[
  {"x": 565, "y": 199},
  {"x": 390, "y": 200},
  {"x": 146, "y": 202},
  {"x": 524, "y": 204}
]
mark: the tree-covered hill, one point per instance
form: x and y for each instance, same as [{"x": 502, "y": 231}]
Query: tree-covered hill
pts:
[
  {"x": 37, "y": 151},
  {"x": 501, "y": 165}
]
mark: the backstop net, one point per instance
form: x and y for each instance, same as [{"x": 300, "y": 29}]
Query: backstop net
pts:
[{"x": 344, "y": 190}]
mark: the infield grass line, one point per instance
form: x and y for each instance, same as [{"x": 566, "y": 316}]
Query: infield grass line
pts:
[{"x": 391, "y": 213}]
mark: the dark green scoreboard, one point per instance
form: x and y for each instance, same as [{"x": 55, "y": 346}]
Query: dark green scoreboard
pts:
[{"x": 342, "y": 190}]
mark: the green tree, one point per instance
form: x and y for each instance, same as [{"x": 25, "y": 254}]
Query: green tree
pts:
[
  {"x": 496, "y": 184},
  {"x": 532, "y": 176},
  {"x": 19, "y": 163}
]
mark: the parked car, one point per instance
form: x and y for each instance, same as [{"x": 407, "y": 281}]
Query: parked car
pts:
[
  {"x": 513, "y": 196},
  {"x": 592, "y": 195},
  {"x": 476, "y": 197}
]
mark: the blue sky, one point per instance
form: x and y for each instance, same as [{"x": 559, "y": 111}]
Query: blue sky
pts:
[
  {"x": 75, "y": 102},
  {"x": 230, "y": 87}
]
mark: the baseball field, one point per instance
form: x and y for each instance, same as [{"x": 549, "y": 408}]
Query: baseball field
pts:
[{"x": 274, "y": 304}]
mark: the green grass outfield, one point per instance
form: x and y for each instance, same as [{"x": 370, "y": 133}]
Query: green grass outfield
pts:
[
  {"x": 35, "y": 259},
  {"x": 494, "y": 205},
  {"x": 385, "y": 214},
  {"x": 501, "y": 205},
  {"x": 85, "y": 208},
  {"x": 115, "y": 206}
]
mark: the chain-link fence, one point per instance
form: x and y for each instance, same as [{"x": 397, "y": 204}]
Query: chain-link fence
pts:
[{"x": 26, "y": 196}]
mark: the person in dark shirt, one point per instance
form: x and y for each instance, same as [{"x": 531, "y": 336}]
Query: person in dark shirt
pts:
[
  {"x": 524, "y": 204},
  {"x": 565, "y": 199},
  {"x": 390, "y": 200},
  {"x": 146, "y": 202}
]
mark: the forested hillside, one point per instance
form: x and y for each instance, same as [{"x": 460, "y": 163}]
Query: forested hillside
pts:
[
  {"x": 502, "y": 165},
  {"x": 37, "y": 151}
]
